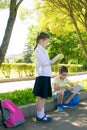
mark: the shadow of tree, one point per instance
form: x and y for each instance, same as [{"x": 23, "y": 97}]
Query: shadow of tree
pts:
[{"x": 69, "y": 119}]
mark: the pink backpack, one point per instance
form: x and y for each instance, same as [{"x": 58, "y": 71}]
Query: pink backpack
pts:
[{"x": 12, "y": 115}]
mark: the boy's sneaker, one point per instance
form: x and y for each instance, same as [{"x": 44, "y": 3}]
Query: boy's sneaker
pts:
[
  {"x": 70, "y": 105},
  {"x": 60, "y": 107}
]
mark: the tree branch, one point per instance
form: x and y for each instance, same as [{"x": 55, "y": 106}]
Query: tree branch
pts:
[{"x": 18, "y": 4}]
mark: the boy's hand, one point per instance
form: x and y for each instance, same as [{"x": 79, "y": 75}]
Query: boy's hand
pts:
[{"x": 70, "y": 89}]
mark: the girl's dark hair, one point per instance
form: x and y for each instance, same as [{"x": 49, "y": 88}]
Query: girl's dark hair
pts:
[
  {"x": 43, "y": 36},
  {"x": 63, "y": 69}
]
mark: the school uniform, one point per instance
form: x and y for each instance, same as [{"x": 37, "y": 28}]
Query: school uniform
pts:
[{"x": 42, "y": 86}]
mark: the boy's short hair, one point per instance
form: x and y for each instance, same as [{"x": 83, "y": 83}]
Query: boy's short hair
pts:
[{"x": 63, "y": 69}]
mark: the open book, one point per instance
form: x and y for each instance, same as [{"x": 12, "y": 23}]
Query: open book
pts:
[
  {"x": 77, "y": 88},
  {"x": 57, "y": 58}
]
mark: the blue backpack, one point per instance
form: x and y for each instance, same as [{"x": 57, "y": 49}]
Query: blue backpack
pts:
[{"x": 75, "y": 100}]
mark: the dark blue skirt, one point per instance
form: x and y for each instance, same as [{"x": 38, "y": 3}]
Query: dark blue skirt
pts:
[{"x": 42, "y": 87}]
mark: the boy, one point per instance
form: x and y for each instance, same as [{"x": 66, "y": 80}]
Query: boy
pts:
[{"x": 60, "y": 84}]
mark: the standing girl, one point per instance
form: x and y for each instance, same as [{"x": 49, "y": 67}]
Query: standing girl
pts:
[{"x": 42, "y": 88}]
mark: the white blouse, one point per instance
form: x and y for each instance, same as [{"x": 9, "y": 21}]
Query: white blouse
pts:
[{"x": 42, "y": 61}]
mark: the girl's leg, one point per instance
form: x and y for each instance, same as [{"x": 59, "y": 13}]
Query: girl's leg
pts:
[{"x": 40, "y": 107}]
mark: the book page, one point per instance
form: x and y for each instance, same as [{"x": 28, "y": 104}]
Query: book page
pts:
[
  {"x": 57, "y": 58},
  {"x": 77, "y": 88}
]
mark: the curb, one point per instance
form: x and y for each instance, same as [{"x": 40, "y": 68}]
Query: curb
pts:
[{"x": 30, "y": 110}]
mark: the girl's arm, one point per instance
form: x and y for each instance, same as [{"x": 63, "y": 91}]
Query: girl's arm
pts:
[{"x": 42, "y": 58}]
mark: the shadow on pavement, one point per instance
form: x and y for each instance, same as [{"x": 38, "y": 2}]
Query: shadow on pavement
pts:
[{"x": 70, "y": 119}]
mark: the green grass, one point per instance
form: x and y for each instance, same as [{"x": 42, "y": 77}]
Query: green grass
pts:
[
  {"x": 19, "y": 97},
  {"x": 84, "y": 83},
  {"x": 23, "y": 97}
]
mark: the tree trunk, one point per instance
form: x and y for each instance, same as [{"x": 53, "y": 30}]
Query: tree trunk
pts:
[
  {"x": 79, "y": 35},
  {"x": 7, "y": 37},
  {"x": 68, "y": 7},
  {"x": 11, "y": 20}
]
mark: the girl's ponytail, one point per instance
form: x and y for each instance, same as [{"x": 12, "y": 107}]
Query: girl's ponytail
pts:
[
  {"x": 43, "y": 36},
  {"x": 35, "y": 46}
]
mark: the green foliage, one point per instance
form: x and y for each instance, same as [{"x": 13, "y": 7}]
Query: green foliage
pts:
[
  {"x": 20, "y": 97},
  {"x": 4, "y": 4},
  {"x": 24, "y": 70},
  {"x": 24, "y": 97},
  {"x": 75, "y": 68},
  {"x": 63, "y": 16},
  {"x": 19, "y": 59},
  {"x": 27, "y": 54},
  {"x": 73, "y": 61},
  {"x": 84, "y": 82},
  {"x": 26, "y": 57},
  {"x": 6, "y": 60},
  {"x": 20, "y": 68},
  {"x": 59, "y": 16},
  {"x": 67, "y": 45},
  {"x": 32, "y": 34},
  {"x": 6, "y": 69},
  {"x": 23, "y": 13},
  {"x": 85, "y": 66},
  {"x": 52, "y": 18},
  {"x": 71, "y": 68}
]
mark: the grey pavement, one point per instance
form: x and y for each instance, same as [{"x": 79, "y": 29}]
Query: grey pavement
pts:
[{"x": 70, "y": 119}]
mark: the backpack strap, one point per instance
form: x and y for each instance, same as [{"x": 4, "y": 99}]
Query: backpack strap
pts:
[
  {"x": 2, "y": 115},
  {"x": 0, "y": 104}
]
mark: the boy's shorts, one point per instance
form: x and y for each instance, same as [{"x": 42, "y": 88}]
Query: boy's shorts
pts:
[{"x": 68, "y": 93}]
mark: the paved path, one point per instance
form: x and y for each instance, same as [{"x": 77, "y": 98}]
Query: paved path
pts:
[
  {"x": 70, "y": 119},
  {"x": 11, "y": 86}
]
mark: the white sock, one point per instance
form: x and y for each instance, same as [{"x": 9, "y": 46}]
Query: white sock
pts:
[
  {"x": 67, "y": 102},
  {"x": 43, "y": 111},
  {"x": 40, "y": 114}
]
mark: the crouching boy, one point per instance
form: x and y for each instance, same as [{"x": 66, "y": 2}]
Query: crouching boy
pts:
[{"x": 62, "y": 83}]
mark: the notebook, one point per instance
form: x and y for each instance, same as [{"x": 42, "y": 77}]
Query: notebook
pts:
[
  {"x": 57, "y": 58},
  {"x": 77, "y": 88}
]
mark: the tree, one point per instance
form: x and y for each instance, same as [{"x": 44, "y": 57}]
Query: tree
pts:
[
  {"x": 27, "y": 55},
  {"x": 14, "y": 5},
  {"x": 66, "y": 11},
  {"x": 32, "y": 34},
  {"x": 65, "y": 44}
]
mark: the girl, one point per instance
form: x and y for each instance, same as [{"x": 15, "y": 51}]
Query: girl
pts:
[{"x": 42, "y": 88}]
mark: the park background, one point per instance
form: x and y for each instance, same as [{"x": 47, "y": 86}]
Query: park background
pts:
[{"x": 64, "y": 21}]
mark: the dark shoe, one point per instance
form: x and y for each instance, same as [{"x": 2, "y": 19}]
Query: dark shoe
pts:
[{"x": 44, "y": 119}]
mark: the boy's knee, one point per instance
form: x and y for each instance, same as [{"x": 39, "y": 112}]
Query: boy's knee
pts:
[{"x": 61, "y": 92}]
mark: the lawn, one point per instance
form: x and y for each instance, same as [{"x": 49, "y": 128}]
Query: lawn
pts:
[{"x": 23, "y": 97}]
